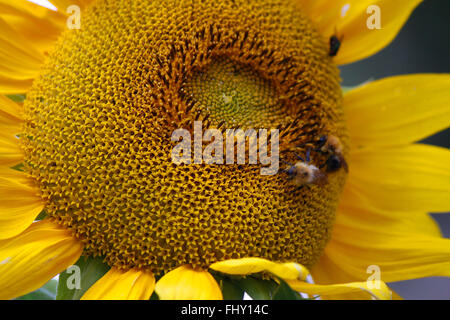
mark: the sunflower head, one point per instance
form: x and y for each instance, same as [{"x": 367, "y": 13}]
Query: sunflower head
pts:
[
  {"x": 99, "y": 120},
  {"x": 87, "y": 165}
]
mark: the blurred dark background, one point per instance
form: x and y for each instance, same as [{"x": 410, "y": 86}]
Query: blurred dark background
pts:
[{"x": 423, "y": 46}]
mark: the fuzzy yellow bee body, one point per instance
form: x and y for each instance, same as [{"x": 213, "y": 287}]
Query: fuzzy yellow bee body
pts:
[
  {"x": 303, "y": 173},
  {"x": 334, "y": 148}
]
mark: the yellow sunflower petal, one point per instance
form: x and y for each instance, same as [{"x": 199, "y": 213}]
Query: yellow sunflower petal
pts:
[
  {"x": 349, "y": 19},
  {"x": 244, "y": 266},
  {"x": 28, "y": 7},
  {"x": 10, "y": 116},
  {"x": 32, "y": 258},
  {"x": 14, "y": 48},
  {"x": 185, "y": 283},
  {"x": 416, "y": 177},
  {"x": 20, "y": 203},
  {"x": 326, "y": 272},
  {"x": 21, "y": 177},
  {"x": 122, "y": 285},
  {"x": 13, "y": 86},
  {"x": 20, "y": 61},
  {"x": 62, "y": 5},
  {"x": 36, "y": 24},
  {"x": 353, "y": 202},
  {"x": 402, "y": 248},
  {"x": 10, "y": 110},
  {"x": 295, "y": 275},
  {"x": 398, "y": 110},
  {"x": 12, "y": 69},
  {"x": 10, "y": 152},
  {"x": 370, "y": 290}
]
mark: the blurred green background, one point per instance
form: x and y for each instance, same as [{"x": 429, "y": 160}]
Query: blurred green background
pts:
[{"x": 423, "y": 46}]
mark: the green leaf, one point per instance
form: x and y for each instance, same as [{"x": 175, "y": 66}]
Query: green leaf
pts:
[
  {"x": 90, "y": 270},
  {"x": 46, "y": 292},
  {"x": 234, "y": 287},
  {"x": 256, "y": 288},
  {"x": 284, "y": 292},
  {"x": 41, "y": 215},
  {"x": 18, "y": 167},
  {"x": 230, "y": 290}
]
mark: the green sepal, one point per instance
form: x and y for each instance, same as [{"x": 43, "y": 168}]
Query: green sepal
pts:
[
  {"x": 18, "y": 167},
  {"x": 285, "y": 292},
  {"x": 234, "y": 287},
  {"x": 17, "y": 97},
  {"x": 230, "y": 290},
  {"x": 257, "y": 288},
  {"x": 42, "y": 215},
  {"x": 91, "y": 269}
]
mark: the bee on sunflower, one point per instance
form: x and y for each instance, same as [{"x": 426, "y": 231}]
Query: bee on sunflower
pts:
[{"x": 86, "y": 175}]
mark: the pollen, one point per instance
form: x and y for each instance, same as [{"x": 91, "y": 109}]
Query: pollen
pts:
[{"x": 97, "y": 139}]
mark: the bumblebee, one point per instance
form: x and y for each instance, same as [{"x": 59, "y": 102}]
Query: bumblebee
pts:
[
  {"x": 332, "y": 146},
  {"x": 303, "y": 173}
]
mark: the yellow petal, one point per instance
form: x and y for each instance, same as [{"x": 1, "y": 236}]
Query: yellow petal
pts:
[
  {"x": 32, "y": 258},
  {"x": 14, "y": 86},
  {"x": 398, "y": 110},
  {"x": 10, "y": 151},
  {"x": 20, "y": 203},
  {"x": 325, "y": 272},
  {"x": 412, "y": 178},
  {"x": 63, "y": 4},
  {"x": 28, "y": 7},
  {"x": 349, "y": 18},
  {"x": 353, "y": 203},
  {"x": 11, "y": 68},
  {"x": 17, "y": 177},
  {"x": 185, "y": 283},
  {"x": 244, "y": 266},
  {"x": 10, "y": 116},
  {"x": 378, "y": 291},
  {"x": 14, "y": 48},
  {"x": 36, "y": 24},
  {"x": 9, "y": 111},
  {"x": 293, "y": 273},
  {"x": 402, "y": 248},
  {"x": 20, "y": 61},
  {"x": 122, "y": 285}
]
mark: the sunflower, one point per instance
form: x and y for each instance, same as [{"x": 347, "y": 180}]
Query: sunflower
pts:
[{"x": 86, "y": 173}]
